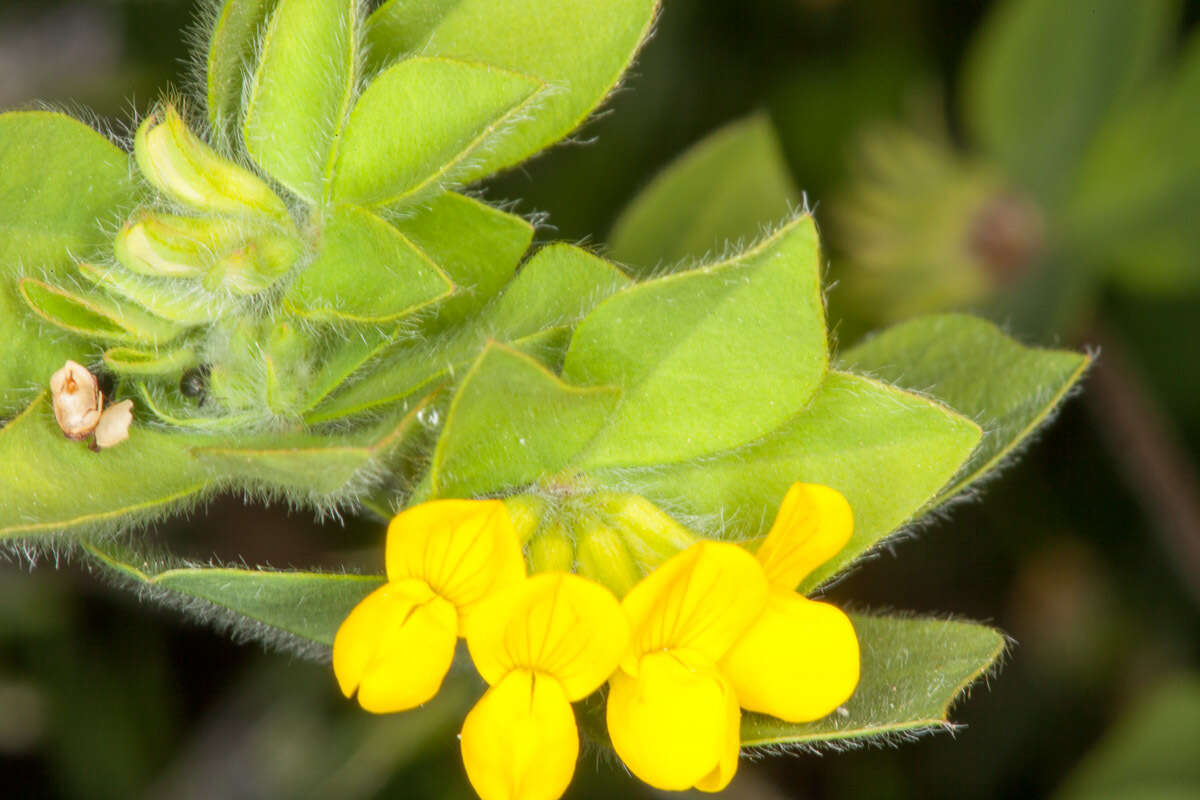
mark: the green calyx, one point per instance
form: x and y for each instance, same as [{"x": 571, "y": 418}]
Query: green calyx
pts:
[{"x": 612, "y": 538}]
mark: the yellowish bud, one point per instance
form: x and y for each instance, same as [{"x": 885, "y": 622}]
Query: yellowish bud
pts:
[
  {"x": 190, "y": 172},
  {"x": 525, "y": 511},
  {"x": 552, "y": 550},
  {"x": 601, "y": 555},
  {"x": 171, "y": 246},
  {"x": 255, "y": 265},
  {"x": 650, "y": 535}
]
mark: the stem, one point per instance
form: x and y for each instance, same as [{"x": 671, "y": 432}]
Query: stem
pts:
[{"x": 1145, "y": 449}]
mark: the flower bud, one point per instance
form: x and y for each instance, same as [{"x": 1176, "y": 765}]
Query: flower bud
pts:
[
  {"x": 551, "y": 550},
  {"x": 602, "y": 556},
  {"x": 525, "y": 511},
  {"x": 190, "y": 172},
  {"x": 76, "y": 400},
  {"x": 288, "y": 368},
  {"x": 162, "y": 245},
  {"x": 649, "y": 534},
  {"x": 255, "y": 265}
]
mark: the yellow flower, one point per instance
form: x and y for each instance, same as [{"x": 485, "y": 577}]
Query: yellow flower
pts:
[
  {"x": 800, "y": 660},
  {"x": 672, "y": 715},
  {"x": 444, "y": 558},
  {"x": 542, "y": 644}
]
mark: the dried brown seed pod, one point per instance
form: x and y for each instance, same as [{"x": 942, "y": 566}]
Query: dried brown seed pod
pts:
[
  {"x": 113, "y": 427},
  {"x": 77, "y": 400}
]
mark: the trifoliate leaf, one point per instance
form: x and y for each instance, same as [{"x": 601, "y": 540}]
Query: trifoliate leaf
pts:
[
  {"x": 404, "y": 141},
  {"x": 52, "y": 484},
  {"x": 260, "y": 604},
  {"x": 559, "y": 284},
  {"x": 553, "y": 290},
  {"x": 319, "y": 467},
  {"x": 974, "y": 368},
  {"x": 97, "y": 316},
  {"x": 61, "y": 186},
  {"x": 301, "y": 92},
  {"x": 230, "y": 49},
  {"x": 134, "y": 362},
  {"x": 172, "y": 300},
  {"x": 1134, "y": 207},
  {"x": 1142, "y": 756},
  {"x": 578, "y": 47},
  {"x": 366, "y": 271},
  {"x": 1033, "y": 55},
  {"x": 886, "y": 450},
  {"x": 478, "y": 246},
  {"x": 722, "y": 191},
  {"x": 512, "y": 422},
  {"x": 707, "y": 359}
]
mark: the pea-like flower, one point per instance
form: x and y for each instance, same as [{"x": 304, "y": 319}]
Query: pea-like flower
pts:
[
  {"x": 673, "y": 716},
  {"x": 444, "y": 558},
  {"x": 799, "y": 660},
  {"x": 541, "y": 645}
]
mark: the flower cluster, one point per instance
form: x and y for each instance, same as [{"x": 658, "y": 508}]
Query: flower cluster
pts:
[{"x": 711, "y": 631}]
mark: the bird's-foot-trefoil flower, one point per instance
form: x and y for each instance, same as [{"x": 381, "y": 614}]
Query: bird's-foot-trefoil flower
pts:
[
  {"x": 551, "y": 640},
  {"x": 673, "y": 717},
  {"x": 444, "y": 558},
  {"x": 799, "y": 660}
]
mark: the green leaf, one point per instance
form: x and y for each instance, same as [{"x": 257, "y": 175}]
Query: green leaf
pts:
[
  {"x": 1145, "y": 755},
  {"x": 367, "y": 272},
  {"x": 707, "y": 359},
  {"x": 301, "y": 92},
  {"x": 1134, "y": 208},
  {"x": 134, "y": 362},
  {"x": 724, "y": 190},
  {"x": 553, "y": 290},
  {"x": 973, "y": 367},
  {"x": 345, "y": 355},
  {"x": 478, "y": 246},
  {"x": 230, "y": 50},
  {"x": 321, "y": 467},
  {"x": 96, "y": 315},
  {"x": 171, "y": 409},
  {"x": 1044, "y": 74},
  {"x": 51, "y": 484},
  {"x": 306, "y": 605},
  {"x": 172, "y": 300},
  {"x": 511, "y": 423},
  {"x": 912, "y": 672},
  {"x": 559, "y": 285},
  {"x": 61, "y": 186},
  {"x": 579, "y": 47},
  {"x": 886, "y": 450},
  {"x": 404, "y": 140}
]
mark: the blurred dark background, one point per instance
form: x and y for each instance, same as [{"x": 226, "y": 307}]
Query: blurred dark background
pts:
[{"x": 1074, "y": 550}]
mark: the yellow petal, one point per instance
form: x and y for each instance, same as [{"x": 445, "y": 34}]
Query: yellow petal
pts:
[
  {"x": 798, "y": 662},
  {"x": 520, "y": 742},
  {"x": 723, "y": 773},
  {"x": 464, "y": 549},
  {"x": 813, "y": 524},
  {"x": 395, "y": 647},
  {"x": 555, "y": 624},
  {"x": 671, "y": 723},
  {"x": 701, "y": 600}
]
